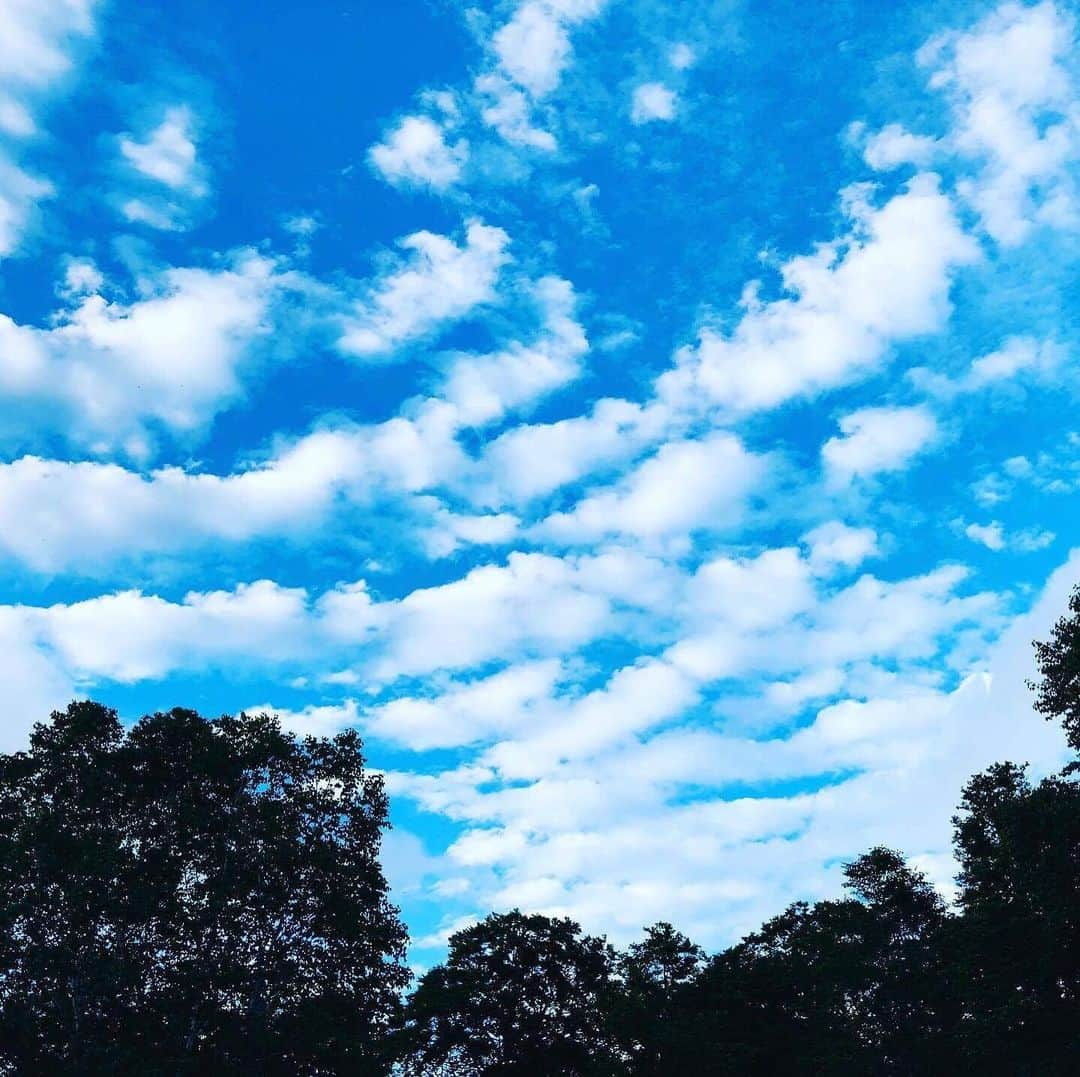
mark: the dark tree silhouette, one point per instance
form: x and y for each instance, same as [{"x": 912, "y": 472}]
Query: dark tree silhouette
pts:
[
  {"x": 518, "y": 995},
  {"x": 193, "y": 896},
  {"x": 1058, "y": 659},
  {"x": 844, "y": 987},
  {"x": 1018, "y": 953},
  {"x": 650, "y": 1013}
]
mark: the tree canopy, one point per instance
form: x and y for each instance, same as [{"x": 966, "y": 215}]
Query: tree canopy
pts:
[{"x": 192, "y": 894}]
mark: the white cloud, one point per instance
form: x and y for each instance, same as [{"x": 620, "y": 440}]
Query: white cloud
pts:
[
  {"x": 129, "y": 636},
  {"x": 484, "y": 387},
  {"x": 1011, "y": 85},
  {"x": 20, "y": 193},
  {"x": 994, "y": 537},
  {"x": 534, "y": 604},
  {"x": 36, "y": 682},
  {"x": 442, "y": 282},
  {"x": 653, "y": 101},
  {"x": 1019, "y": 359},
  {"x": 450, "y": 531},
  {"x": 168, "y": 155},
  {"x": 533, "y": 47},
  {"x": 467, "y": 712},
  {"x": 416, "y": 152},
  {"x": 991, "y": 535},
  {"x": 886, "y": 281},
  {"x": 876, "y": 440},
  {"x": 313, "y": 720},
  {"x": 106, "y": 368},
  {"x": 893, "y": 145},
  {"x": 51, "y": 515},
  {"x": 529, "y": 461},
  {"x": 530, "y": 52},
  {"x": 687, "y": 485},
  {"x": 584, "y": 811},
  {"x": 834, "y": 544},
  {"x": 681, "y": 56},
  {"x": 509, "y": 112},
  {"x": 40, "y": 39}
]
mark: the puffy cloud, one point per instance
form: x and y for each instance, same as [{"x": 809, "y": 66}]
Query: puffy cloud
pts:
[
  {"x": 681, "y": 56},
  {"x": 53, "y": 513},
  {"x": 313, "y": 720},
  {"x": 886, "y": 281},
  {"x": 172, "y": 177},
  {"x": 834, "y": 544},
  {"x": 652, "y": 101},
  {"x": 107, "y": 369},
  {"x": 994, "y": 537},
  {"x": 534, "y": 604},
  {"x": 508, "y": 110},
  {"x": 450, "y": 531},
  {"x": 40, "y": 40},
  {"x": 468, "y": 711},
  {"x": 528, "y": 461},
  {"x": 35, "y": 681},
  {"x": 442, "y": 282},
  {"x": 533, "y": 47},
  {"x": 130, "y": 636},
  {"x": 530, "y": 52},
  {"x": 20, "y": 193},
  {"x": 483, "y": 388},
  {"x": 416, "y": 152},
  {"x": 600, "y": 816},
  {"x": 1019, "y": 359},
  {"x": 876, "y": 440},
  {"x": 1014, "y": 101},
  {"x": 893, "y": 145},
  {"x": 168, "y": 155},
  {"x": 685, "y": 486}
]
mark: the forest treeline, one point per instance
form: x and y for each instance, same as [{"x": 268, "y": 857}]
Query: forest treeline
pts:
[{"x": 206, "y": 897}]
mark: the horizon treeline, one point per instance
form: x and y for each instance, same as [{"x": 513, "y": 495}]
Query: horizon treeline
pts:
[{"x": 192, "y": 896}]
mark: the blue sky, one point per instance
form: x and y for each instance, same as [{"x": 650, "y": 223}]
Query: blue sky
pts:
[{"x": 652, "y": 425}]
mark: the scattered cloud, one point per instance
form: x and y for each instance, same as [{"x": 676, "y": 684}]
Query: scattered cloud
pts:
[
  {"x": 877, "y": 440},
  {"x": 885, "y": 281},
  {"x": 416, "y": 152},
  {"x": 653, "y": 101},
  {"x": 440, "y": 283}
]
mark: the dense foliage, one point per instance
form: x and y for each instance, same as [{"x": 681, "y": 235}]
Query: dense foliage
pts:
[{"x": 194, "y": 896}]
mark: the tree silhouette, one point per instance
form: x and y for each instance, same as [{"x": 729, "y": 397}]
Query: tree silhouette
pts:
[
  {"x": 1018, "y": 954},
  {"x": 1058, "y": 659},
  {"x": 650, "y": 1013},
  {"x": 518, "y": 995},
  {"x": 193, "y": 896},
  {"x": 844, "y": 987}
]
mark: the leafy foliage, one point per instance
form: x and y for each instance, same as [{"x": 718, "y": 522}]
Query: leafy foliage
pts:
[
  {"x": 1058, "y": 659},
  {"x": 192, "y": 893},
  {"x": 517, "y": 995}
]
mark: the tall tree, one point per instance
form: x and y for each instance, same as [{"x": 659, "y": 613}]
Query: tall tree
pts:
[
  {"x": 650, "y": 1014},
  {"x": 1058, "y": 659},
  {"x": 1017, "y": 961},
  {"x": 193, "y": 896},
  {"x": 838, "y": 987},
  {"x": 518, "y": 996}
]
